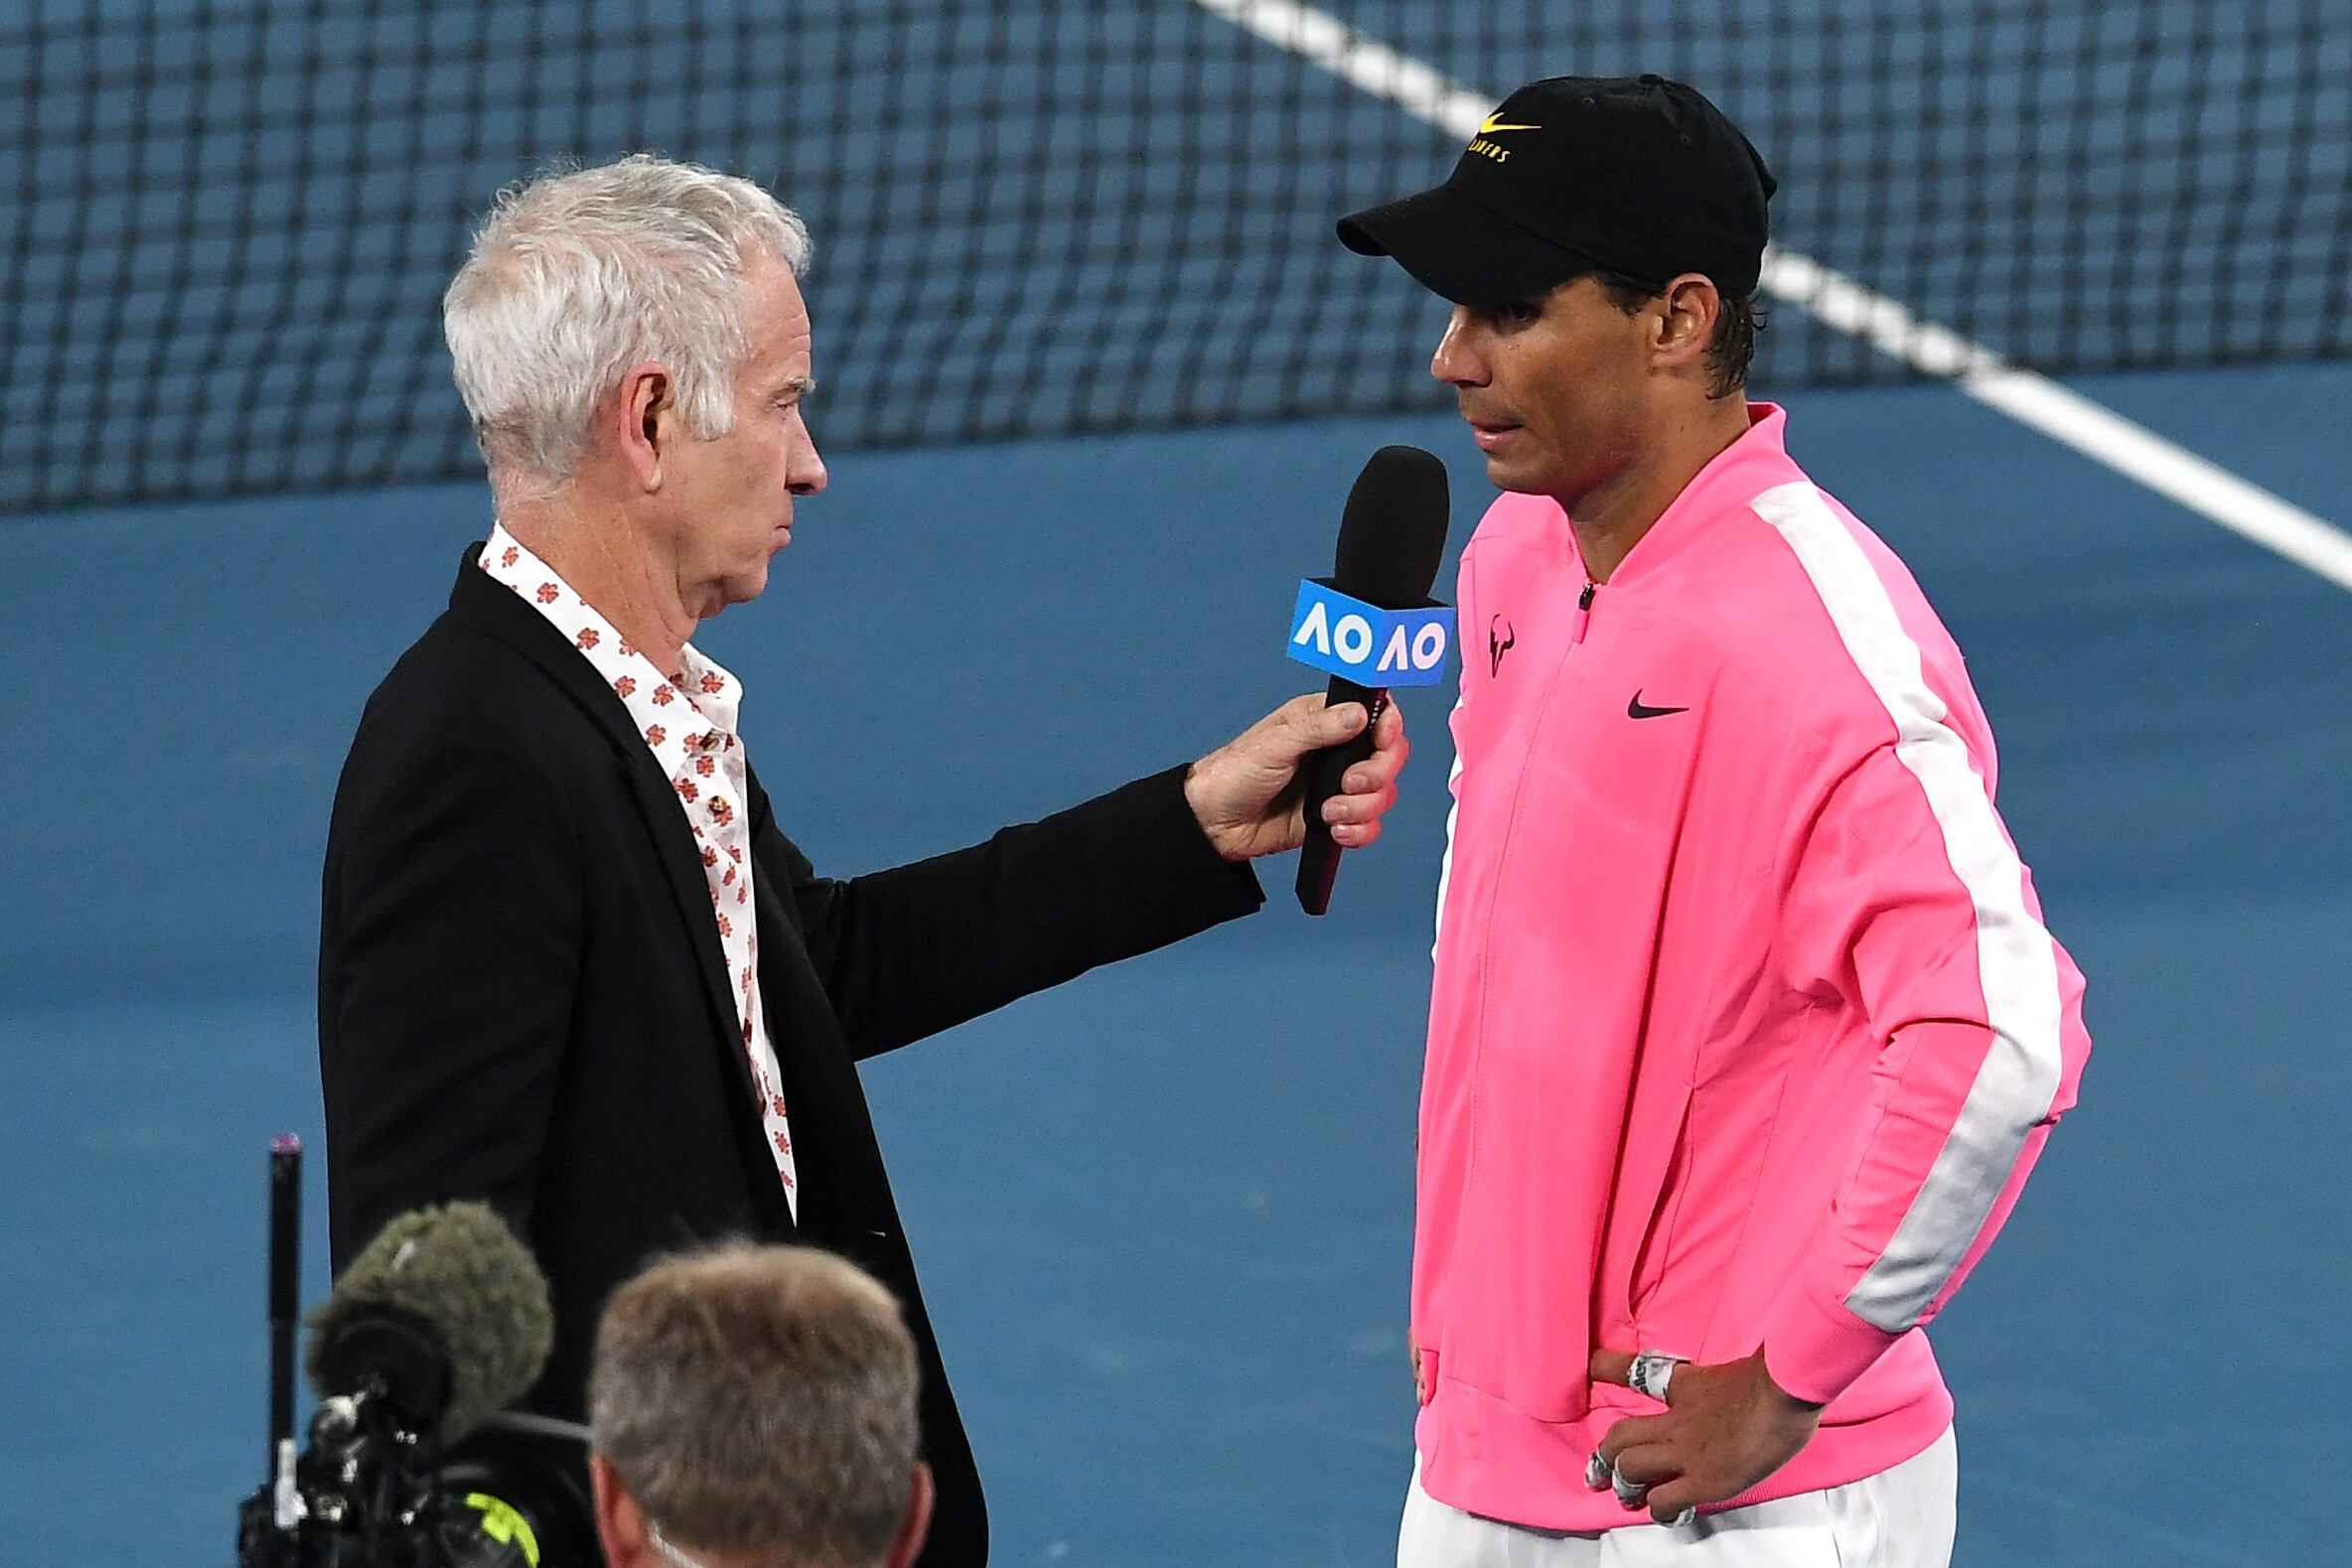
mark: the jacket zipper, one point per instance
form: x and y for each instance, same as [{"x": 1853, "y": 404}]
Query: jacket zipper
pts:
[{"x": 1477, "y": 1068}]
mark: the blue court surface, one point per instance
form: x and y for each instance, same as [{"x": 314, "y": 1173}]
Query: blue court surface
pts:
[{"x": 1163, "y": 1214}]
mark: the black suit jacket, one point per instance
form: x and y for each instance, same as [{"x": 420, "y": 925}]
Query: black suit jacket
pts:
[{"x": 522, "y": 997}]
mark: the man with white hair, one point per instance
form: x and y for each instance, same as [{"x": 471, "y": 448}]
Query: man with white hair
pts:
[{"x": 569, "y": 963}]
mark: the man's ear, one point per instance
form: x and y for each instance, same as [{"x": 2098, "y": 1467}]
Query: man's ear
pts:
[
  {"x": 922, "y": 1496},
  {"x": 1688, "y": 309},
  {"x": 645, "y": 423},
  {"x": 620, "y": 1522}
]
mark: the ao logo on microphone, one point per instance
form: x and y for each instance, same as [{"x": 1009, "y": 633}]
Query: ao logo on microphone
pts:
[{"x": 1362, "y": 642}]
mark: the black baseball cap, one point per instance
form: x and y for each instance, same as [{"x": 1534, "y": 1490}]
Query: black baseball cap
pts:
[{"x": 1634, "y": 175}]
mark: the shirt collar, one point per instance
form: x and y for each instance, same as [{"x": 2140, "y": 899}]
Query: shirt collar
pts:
[{"x": 713, "y": 695}]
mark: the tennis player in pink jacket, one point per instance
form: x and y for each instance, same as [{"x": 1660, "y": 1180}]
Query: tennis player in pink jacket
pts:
[{"x": 1746, "y": 1028}]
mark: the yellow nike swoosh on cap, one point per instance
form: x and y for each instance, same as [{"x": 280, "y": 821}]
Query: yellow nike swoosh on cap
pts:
[{"x": 1494, "y": 123}]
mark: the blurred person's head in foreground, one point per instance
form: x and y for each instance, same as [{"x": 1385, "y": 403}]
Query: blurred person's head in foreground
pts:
[{"x": 754, "y": 1407}]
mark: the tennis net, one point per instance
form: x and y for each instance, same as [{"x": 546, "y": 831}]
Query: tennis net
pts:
[{"x": 230, "y": 220}]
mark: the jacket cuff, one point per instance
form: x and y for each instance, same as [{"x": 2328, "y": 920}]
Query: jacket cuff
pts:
[
  {"x": 1181, "y": 855},
  {"x": 1816, "y": 1350}
]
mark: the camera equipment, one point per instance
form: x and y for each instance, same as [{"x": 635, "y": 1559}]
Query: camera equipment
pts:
[{"x": 442, "y": 1318}]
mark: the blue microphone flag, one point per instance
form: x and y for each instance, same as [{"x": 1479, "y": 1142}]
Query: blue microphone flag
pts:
[{"x": 1359, "y": 641}]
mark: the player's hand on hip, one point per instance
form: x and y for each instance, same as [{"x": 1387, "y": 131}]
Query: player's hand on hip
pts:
[
  {"x": 1725, "y": 1429},
  {"x": 1250, "y": 792}
]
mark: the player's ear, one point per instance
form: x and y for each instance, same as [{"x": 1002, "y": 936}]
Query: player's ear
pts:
[{"x": 1688, "y": 309}]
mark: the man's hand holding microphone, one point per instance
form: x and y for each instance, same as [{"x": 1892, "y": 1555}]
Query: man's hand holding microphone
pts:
[
  {"x": 1251, "y": 793},
  {"x": 1319, "y": 772}
]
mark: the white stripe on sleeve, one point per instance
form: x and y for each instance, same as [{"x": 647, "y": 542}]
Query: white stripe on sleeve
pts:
[{"x": 2016, "y": 958}]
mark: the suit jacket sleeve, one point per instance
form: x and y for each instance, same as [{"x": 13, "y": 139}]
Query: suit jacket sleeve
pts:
[
  {"x": 448, "y": 957},
  {"x": 907, "y": 952}
]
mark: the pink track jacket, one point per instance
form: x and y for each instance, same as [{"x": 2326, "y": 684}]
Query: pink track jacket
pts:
[{"x": 1745, "y": 1028}]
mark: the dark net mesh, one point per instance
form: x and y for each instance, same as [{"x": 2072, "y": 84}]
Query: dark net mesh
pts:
[{"x": 228, "y": 223}]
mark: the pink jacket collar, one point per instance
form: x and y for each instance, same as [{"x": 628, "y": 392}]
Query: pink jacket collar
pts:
[{"x": 1748, "y": 467}]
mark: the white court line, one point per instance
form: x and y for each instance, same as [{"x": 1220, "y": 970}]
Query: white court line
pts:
[{"x": 1840, "y": 303}]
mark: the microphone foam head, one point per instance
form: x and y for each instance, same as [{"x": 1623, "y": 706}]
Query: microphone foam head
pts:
[
  {"x": 1393, "y": 534},
  {"x": 457, "y": 1273}
]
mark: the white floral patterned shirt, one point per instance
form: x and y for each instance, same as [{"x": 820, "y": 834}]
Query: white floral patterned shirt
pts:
[{"x": 687, "y": 718}]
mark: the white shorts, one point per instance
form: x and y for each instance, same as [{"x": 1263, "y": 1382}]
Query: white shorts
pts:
[{"x": 1898, "y": 1519}]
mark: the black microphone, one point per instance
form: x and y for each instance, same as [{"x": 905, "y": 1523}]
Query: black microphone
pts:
[
  {"x": 1391, "y": 539},
  {"x": 439, "y": 1321},
  {"x": 442, "y": 1318}
]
